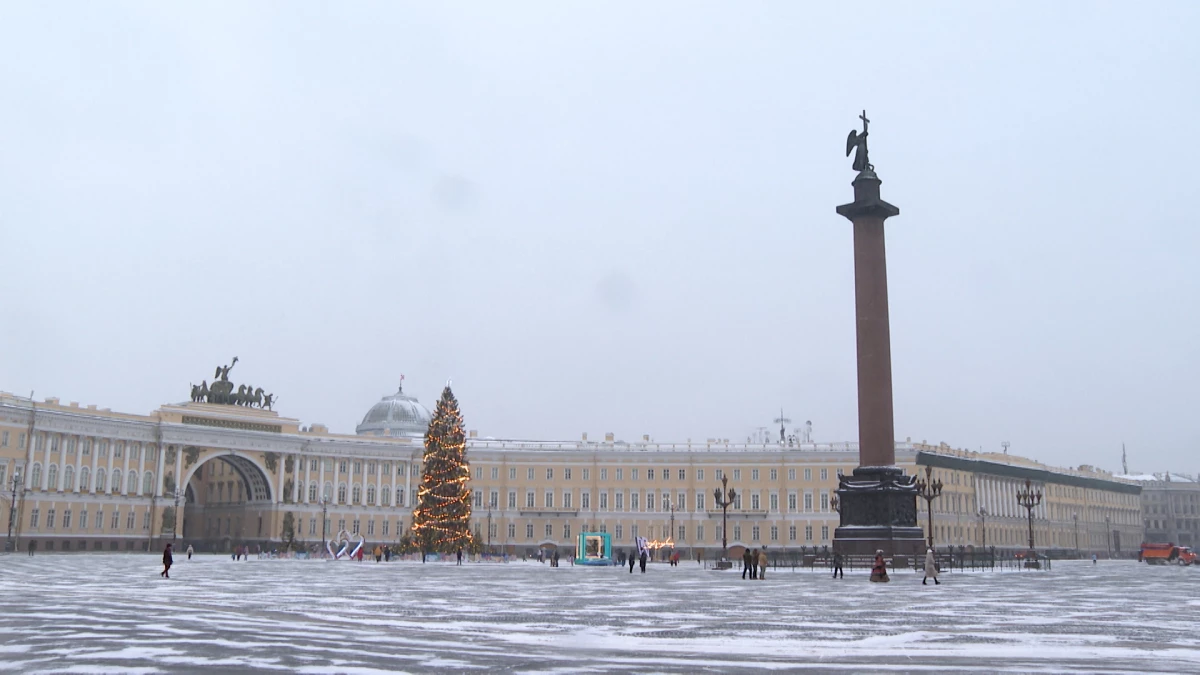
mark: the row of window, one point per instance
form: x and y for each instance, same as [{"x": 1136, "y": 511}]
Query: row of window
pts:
[
  {"x": 756, "y": 503},
  {"x": 119, "y": 448},
  {"x": 98, "y": 521},
  {"x": 650, "y": 474},
  {"x": 103, "y": 479}
]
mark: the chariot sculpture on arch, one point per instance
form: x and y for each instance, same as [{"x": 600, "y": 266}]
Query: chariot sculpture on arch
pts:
[{"x": 222, "y": 391}]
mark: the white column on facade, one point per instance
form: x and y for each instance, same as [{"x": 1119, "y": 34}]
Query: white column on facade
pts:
[
  {"x": 95, "y": 460},
  {"x": 112, "y": 447},
  {"x": 278, "y": 479},
  {"x": 179, "y": 484},
  {"x": 408, "y": 495},
  {"x": 46, "y": 463},
  {"x": 392, "y": 485},
  {"x": 125, "y": 470},
  {"x": 78, "y": 461},
  {"x": 29, "y": 444},
  {"x": 296, "y": 478},
  {"x": 320, "y": 478},
  {"x": 141, "y": 471},
  {"x": 379, "y": 481},
  {"x": 160, "y": 457},
  {"x": 307, "y": 478}
]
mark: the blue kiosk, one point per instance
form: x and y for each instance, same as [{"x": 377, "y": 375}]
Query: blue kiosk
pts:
[{"x": 594, "y": 548}]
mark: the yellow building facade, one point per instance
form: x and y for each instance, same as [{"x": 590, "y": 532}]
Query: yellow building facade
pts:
[{"x": 217, "y": 476}]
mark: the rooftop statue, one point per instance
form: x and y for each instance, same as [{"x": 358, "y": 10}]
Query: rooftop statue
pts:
[{"x": 856, "y": 143}]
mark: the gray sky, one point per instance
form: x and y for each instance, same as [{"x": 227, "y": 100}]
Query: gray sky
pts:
[{"x": 611, "y": 216}]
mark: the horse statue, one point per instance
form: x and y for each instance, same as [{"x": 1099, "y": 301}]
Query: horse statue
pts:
[
  {"x": 240, "y": 397},
  {"x": 195, "y": 393},
  {"x": 255, "y": 399}
]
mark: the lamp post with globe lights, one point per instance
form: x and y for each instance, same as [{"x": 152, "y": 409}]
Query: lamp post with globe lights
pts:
[
  {"x": 1029, "y": 499},
  {"x": 12, "y": 512},
  {"x": 929, "y": 490},
  {"x": 724, "y": 496}
]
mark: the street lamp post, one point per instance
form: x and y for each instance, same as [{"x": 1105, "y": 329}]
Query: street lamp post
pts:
[
  {"x": 1029, "y": 499},
  {"x": 175, "y": 514},
  {"x": 724, "y": 496},
  {"x": 1075, "y": 517},
  {"x": 929, "y": 490},
  {"x": 489, "y": 535},
  {"x": 1108, "y": 535},
  {"x": 983, "y": 514},
  {"x": 12, "y": 512},
  {"x": 324, "y": 522}
]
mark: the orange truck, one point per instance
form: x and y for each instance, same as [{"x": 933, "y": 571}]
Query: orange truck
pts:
[{"x": 1167, "y": 554}]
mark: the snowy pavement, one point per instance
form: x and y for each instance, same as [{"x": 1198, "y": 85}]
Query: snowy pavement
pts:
[{"x": 112, "y": 613}]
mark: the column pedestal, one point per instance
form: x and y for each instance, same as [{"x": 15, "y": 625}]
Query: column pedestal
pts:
[{"x": 878, "y": 508}]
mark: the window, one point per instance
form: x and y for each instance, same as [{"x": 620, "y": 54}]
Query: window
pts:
[
  {"x": 587, "y": 474},
  {"x": 478, "y": 472},
  {"x": 386, "y": 525},
  {"x": 808, "y": 474},
  {"x": 116, "y": 520},
  {"x": 754, "y": 474},
  {"x": 100, "y": 484},
  {"x": 633, "y": 501},
  {"x": 699, "y": 533},
  {"x": 371, "y": 527},
  {"x": 118, "y": 450},
  {"x": 604, "y": 500},
  {"x": 131, "y": 483},
  {"x": 550, "y": 474},
  {"x": 399, "y": 496},
  {"x": 585, "y": 501},
  {"x": 494, "y": 499},
  {"x": 342, "y": 466},
  {"x": 633, "y": 530},
  {"x": 603, "y": 474},
  {"x": 699, "y": 476},
  {"x": 824, "y": 501},
  {"x": 774, "y": 502},
  {"x": 549, "y": 530},
  {"x": 680, "y": 501},
  {"x": 67, "y": 519},
  {"x": 529, "y": 499},
  {"x": 620, "y": 501},
  {"x": 791, "y": 533},
  {"x": 33, "y": 518},
  {"x": 129, "y": 520},
  {"x": 312, "y": 492},
  {"x": 633, "y": 473},
  {"x": 478, "y": 497},
  {"x": 50, "y": 519},
  {"x": 341, "y": 493},
  {"x": 737, "y": 531},
  {"x": 618, "y": 531},
  {"x": 512, "y": 531},
  {"x": 567, "y": 531},
  {"x": 566, "y": 474},
  {"x": 737, "y": 501},
  {"x": 699, "y": 500},
  {"x": 385, "y": 469},
  {"x": 116, "y": 481},
  {"x": 620, "y": 474},
  {"x": 52, "y": 478},
  {"x": 683, "y": 474},
  {"x": 529, "y": 530},
  {"x": 774, "y": 474},
  {"x": 808, "y": 533},
  {"x": 824, "y": 532},
  {"x": 385, "y": 497},
  {"x": 148, "y": 482},
  {"x": 529, "y": 473},
  {"x": 737, "y": 474},
  {"x": 4, "y": 439},
  {"x": 682, "y": 533},
  {"x": 808, "y": 501},
  {"x": 355, "y": 530},
  {"x": 370, "y": 495},
  {"x": 824, "y": 474},
  {"x": 549, "y": 499},
  {"x": 754, "y": 502},
  {"x": 35, "y": 480},
  {"x": 649, "y": 474},
  {"x": 791, "y": 474},
  {"x": 146, "y": 520},
  {"x": 512, "y": 499},
  {"x": 774, "y": 533},
  {"x": 21, "y": 441}
]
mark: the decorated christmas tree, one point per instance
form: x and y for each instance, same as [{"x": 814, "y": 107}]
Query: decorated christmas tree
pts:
[{"x": 441, "y": 519}]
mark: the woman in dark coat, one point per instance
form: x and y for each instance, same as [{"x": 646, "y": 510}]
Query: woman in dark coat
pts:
[{"x": 167, "y": 560}]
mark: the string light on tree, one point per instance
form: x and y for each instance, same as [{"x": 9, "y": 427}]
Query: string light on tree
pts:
[{"x": 441, "y": 518}]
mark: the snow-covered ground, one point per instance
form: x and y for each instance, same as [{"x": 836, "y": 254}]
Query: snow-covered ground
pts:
[{"x": 112, "y": 613}]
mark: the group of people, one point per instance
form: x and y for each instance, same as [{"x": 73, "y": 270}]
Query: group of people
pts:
[
  {"x": 754, "y": 562},
  {"x": 382, "y": 553},
  {"x": 641, "y": 559},
  {"x": 879, "y": 568}
]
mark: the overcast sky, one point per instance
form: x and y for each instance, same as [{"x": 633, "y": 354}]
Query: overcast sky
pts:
[{"x": 611, "y": 216}]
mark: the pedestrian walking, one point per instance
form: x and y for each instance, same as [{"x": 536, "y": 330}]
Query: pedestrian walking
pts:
[
  {"x": 642, "y": 560},
  {"x": 931, "y": 569},
  {"x": 32, "y": 547},
  {"x": 837, "y": 566},
  {"x": 762, "y": 563},
  {"x": 632, "y": 561},
  {"x": 459, "y": 555},
  {"x": 753, "y": 564},
  {"x": 167, "y": 560},
  {"x": 189, "y": 551},
  {"x": 746, "y": 563},
  {"x": 378, "y": 553},
  {"x": 554, "y": 561}
]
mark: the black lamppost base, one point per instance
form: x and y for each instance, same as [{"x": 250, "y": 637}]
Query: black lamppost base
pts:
[{"x": 878, "y": 507}]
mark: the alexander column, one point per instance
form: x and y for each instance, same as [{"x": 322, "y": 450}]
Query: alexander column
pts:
[{"x": 878, "y": 503}]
